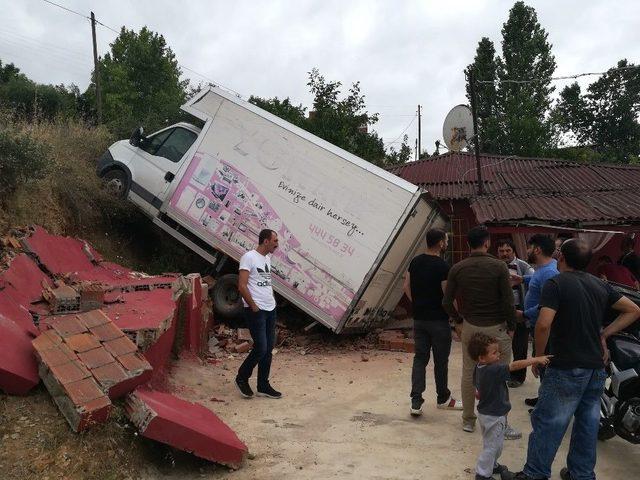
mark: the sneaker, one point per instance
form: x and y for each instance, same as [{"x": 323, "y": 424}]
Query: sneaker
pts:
[
  {"x": 565, "y": 474},
  {"x": 503, "y": 471},
  {"x": 269, "y": 391},
  {"x": 511, "y": 433},
  {"x": 531, "y": 402},
  {"x": 469, "y": 427},
  {"x": 451, "y": 404},
  {"x": 514, "y": 384},
  {"x": 530, "y": 411},
  {"x": 245, "y": 389},
  {"x": 416, "y": 407},
  {"x": 524, "y": 476}
]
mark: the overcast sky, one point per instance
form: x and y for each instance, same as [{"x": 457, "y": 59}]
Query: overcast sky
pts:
[{"x": 404, "y": 53}]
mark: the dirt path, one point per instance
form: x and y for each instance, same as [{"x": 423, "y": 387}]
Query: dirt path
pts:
[{"x": 343, "y": 417}]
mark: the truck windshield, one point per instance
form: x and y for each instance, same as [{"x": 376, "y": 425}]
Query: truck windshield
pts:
[{"x": 171, "y": 144}]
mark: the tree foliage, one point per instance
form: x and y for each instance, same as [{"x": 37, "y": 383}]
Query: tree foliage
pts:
[
  {"x": 140, "y": 80},
  {"x": 520, "y": 111},
  {"x": 23, "y": 158},
  {"x": 402, "y": 155},
  {"x": 485, "y": 68},
  {"x": 605, "y": 117},
  {"x": 295, "y": 114},
  {"x": 342, "y": 120},
  {"x": 31, "y": 100}
]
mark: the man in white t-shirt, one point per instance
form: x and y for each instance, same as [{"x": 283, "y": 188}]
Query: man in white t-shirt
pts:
[{"x": 255, "y": 287}]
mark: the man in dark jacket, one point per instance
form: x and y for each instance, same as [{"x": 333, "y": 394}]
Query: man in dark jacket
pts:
[{"x": 480, "y": 285}]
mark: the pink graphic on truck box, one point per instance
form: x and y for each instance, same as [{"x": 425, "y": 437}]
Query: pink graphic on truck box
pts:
[{"x": 215, "y": 196}]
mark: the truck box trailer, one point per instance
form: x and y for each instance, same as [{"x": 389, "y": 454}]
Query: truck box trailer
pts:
[{"x": 347, "y": 228}]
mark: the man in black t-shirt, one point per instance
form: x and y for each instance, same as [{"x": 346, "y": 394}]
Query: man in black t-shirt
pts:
[
  {"x": 424, "y": 284},
  {"x": 573, "y": 306}
]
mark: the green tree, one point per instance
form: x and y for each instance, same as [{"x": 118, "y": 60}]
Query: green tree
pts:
[
  {"x": 604, "y": 118},
  {"x": 402, "y": 155},
  {"x": 282, "y": 108},
  {"x": 32, "y": 100},
  {"x": 524, "y": 107},
  {"x": 485, "y": 68},
  {"x": 341, "y": 120},
  {"x": 140, "y": 80},
  {"x": 344, "y": 122},
  {"x": 521, "y": 109}
]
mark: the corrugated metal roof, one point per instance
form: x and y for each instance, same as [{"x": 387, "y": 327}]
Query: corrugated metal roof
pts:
[
  {"x": 607, "y": 207},
  {"x": 519, "y": 188}
]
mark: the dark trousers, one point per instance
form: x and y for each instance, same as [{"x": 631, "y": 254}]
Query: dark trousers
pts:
[
  {"x": 431, "y": 335},
  {"x": 520, "y": 347},
  {"x": 262, "y": 325}
]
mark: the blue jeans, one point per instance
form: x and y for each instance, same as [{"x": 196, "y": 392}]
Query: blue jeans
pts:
[
  {"x": 564, "y": 394},
  {"x": 262, "y": 326}
]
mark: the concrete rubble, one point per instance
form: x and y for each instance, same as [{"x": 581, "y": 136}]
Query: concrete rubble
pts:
[
  {"x": 194, "y": 428},
  {"x": 95, "y": 332}
]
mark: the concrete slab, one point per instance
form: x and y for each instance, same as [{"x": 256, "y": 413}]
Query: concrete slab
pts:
[
  {"x": 18, "y": 367},
  {"x": 24, "y": 275},
  {"x": 144, "y": 315},
  {"x": 60, "y": 255},
  {"x": 184, "y": 425}
]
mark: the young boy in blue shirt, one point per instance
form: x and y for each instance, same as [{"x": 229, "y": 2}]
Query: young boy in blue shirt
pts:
[{"x": 490, "y": 379}]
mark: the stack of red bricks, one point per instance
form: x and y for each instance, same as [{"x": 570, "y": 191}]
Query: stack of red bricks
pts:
[
  {"x": 85, "y": 361},
  {"x": 396, "y": 340}
]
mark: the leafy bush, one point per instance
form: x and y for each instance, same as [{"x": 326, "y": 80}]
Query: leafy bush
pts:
[{"x": 23, "y": 159}]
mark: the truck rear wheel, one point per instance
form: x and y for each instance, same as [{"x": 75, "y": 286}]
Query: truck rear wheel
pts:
[{"x": 227, "y": 302}]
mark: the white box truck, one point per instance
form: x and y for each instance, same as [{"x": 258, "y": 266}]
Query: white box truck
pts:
[{"x": 347, "y": 228}]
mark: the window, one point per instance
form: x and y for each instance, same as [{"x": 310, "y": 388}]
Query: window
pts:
[
  {"x": 171, "y": 144},
  {"x": 151, "y": 144},
  {"x": 177, "y": 144}
]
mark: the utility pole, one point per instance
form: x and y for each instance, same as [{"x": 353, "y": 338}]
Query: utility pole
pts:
[
  {"x": 96, "y": 69},
  {"x": 416, "y": 147},
  {"x": 419, "y": 131},
  {"x": 472, "y": 87}
]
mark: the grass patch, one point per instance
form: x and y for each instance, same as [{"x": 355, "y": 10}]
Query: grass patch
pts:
[{"x": 66, "y": 197}]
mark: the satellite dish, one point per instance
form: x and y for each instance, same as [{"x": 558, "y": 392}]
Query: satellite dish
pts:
[{"x": 457, "y": 130}]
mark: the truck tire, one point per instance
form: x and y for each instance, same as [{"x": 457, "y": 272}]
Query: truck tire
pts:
[
  {"x": 116, "y": 182},
  {"x": 227, "y": 302}
]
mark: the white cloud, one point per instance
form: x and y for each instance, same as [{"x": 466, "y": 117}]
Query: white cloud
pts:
[{"x": 404, "y": 53}]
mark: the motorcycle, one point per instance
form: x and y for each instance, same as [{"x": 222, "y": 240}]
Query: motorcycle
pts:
[{"x": 620, "y": 400}]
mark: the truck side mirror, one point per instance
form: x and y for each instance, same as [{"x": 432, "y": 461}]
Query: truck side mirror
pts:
[{"x": 137, "y": 137}]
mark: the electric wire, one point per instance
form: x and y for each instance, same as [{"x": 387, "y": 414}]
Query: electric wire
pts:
[
  {"x": 403, "y": 132},
  {"x": 65, "y": 8},
  {"x": 564, "y": 77}
]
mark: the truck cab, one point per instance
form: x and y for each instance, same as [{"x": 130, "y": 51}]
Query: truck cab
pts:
[{"x": 143, "y": 167}]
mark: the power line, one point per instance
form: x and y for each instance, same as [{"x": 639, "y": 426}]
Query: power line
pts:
[
  {"x": 117, "y": 32},
  {"x": 211, "y": 80},
  {"x": 67, "y": 9},
  {"x": 28, "y": 42},
  {"x": 566, "y": 77},
  {"x": 107, "y": 27},
  {"x": 406, "y": 128}
]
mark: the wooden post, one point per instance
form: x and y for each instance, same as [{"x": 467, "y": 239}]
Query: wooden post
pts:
[
  {"x": 472, "y": 88},
  {"x": 96, "y": 69}
]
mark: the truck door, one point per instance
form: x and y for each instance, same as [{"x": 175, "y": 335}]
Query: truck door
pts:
[{"x": 155, "y": 164}]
